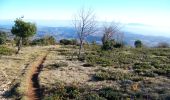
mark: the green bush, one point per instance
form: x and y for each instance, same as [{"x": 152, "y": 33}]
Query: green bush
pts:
[
  {"x": 149, "y": 74},
  {"x": 6, "y": 51},
  {"x": 53, "y": 97},
  {"x": 164, "y": 72},
  {"x": 68, "y": 42},
  {"x": 48, "y": 40},
  {"x": 111, "y": 75},
  {"x": 57, "y": 65},
  {"x": 108, "y": 45},
  {"x": 3, "y": 37},
  {"x": 143, "y": 65},
  {"x": 118, "y": 45},
  {"x": 110, "y": 94},
  {"x": 138, "y": 44},
  {"x": 60, "y": 91},
  {"x": 93, "y": 96},
  {"x": 102, "y": 76},
  {"x": 104, "y": 62},
  {"x": 72, "y": 91}
]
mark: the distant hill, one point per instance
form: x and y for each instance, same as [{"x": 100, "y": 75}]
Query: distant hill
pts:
[{"x": 69, "y": 32}]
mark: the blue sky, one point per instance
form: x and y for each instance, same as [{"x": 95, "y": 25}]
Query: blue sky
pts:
[{"x": 151, "y": 12}]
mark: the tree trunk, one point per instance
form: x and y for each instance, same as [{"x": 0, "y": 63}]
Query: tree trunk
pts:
[
  {"x": 19, "y": 45},
  {"x": 80, "y": 48}
]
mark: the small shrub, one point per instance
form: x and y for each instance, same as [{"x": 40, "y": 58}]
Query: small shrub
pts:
[
  {"x": 3, "y": 37},
  {"x": 103, "y": 62},
  {"x": 53, "y": 97},
  {"x": 63, "y": 52},
  {"x": 112, "y": 75},
  {"x": 57, "y": 65},
  {"x": 93, "y": 96},
  {"x": 144, "y": 65},
  {"x": 108, "y": 45},
  {"x": 48, "y": 40},
  {"x": 110, "y": 94},
  {"x": 6, "y": 51},
  {"x": 82, "y": 57},
  {"x": 150, "y": 74},
  {"x": 164, "y": 72},
  {"x": 118, "y": 45},
  {"x": 60, "y": 91},
  {"x": 102, "y": 76},
  {"x": 72, "y": 91},
  {"x": 88, "y": 65},
  {"x": 93, "y": 59},
  {"x": 137, "y": 78},
  {"x": 138, "y": 44},
  {"x": 68, "y": 42}
]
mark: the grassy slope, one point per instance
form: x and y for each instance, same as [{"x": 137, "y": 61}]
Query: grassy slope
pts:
[
  {"x": 132, "y": 72},
  {"x": 14, "y": 67},
  {"x": 127, "y": 72}
]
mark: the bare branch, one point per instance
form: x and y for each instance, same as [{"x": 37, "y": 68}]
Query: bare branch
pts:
[
  {"x": 85, "y": 25},
  {"x": 112, "y": 30}
]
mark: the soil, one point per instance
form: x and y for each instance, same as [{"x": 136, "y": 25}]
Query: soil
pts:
[{"x": 33, "y": 91}]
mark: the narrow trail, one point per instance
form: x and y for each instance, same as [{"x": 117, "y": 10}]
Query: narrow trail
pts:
[{"x": 32, "y": 89}]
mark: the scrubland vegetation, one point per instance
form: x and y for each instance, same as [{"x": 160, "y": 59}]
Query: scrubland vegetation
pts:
[
  {"x": 77, "y": 70},
  {"x": 120, "y": 73}
]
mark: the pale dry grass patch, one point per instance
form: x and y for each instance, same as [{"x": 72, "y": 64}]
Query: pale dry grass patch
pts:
[
  {"x": 13, "y": 67},
  {"x": 73, "y": 73}
]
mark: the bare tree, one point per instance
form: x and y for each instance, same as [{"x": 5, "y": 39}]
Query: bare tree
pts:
[
  {"x": 85, "y": 25},
  {"x": 109, "y": 31}
]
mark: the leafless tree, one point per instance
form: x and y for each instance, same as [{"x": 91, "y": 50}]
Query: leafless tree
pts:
[
  {"x": 85, "y": 25},
  {"x": 110, "y": 31}
]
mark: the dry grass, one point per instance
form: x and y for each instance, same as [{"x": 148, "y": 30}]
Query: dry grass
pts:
[
  {"x": 14, "y": 67},
  {"x": 74, "y": 73}
]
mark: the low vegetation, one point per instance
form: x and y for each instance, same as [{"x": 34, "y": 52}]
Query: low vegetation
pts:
[
  {"x": 6, "y": 51},
  {"x": 123, "y": 73},
  {"x": 68, "y": 42},
  {"x": 48, "y": 40},
  {"x": 112, "y": 75},
  {"x": 3, "y": 37},
  {"x": 77, "y": 70},
  {"x": 57, "y": 65},
  {"x": 138, "y": 44}
]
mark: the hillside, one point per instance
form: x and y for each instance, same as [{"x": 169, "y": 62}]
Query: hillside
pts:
[
  {"x": 54, "y": 72},
  {"x": 68, "y": 32}
]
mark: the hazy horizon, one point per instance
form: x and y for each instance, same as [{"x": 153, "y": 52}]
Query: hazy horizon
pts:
[{"x": 153, "y": 14}]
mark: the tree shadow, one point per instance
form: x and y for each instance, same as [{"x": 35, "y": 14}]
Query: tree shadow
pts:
[{"x": 12, "y": 92}]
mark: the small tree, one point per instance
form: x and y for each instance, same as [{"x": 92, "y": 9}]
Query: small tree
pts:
[
  {"x": 3, "y": 37},
  {"x": 109, "y": 32},
  {"x": 138, "y": 44},
  {"x": 108, "y": 45},
  {"x": 23, "y": 30},
  {"x": 85, "y": 25}
]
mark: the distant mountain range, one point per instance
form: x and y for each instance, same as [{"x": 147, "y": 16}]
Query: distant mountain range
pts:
[{"x": 131, "y": 33}]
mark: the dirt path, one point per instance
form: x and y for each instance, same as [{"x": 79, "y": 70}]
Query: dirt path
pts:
[{"x": 32, "y": 90}]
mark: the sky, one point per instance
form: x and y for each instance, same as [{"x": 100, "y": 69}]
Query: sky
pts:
[{"x": 150, "y": 12}]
